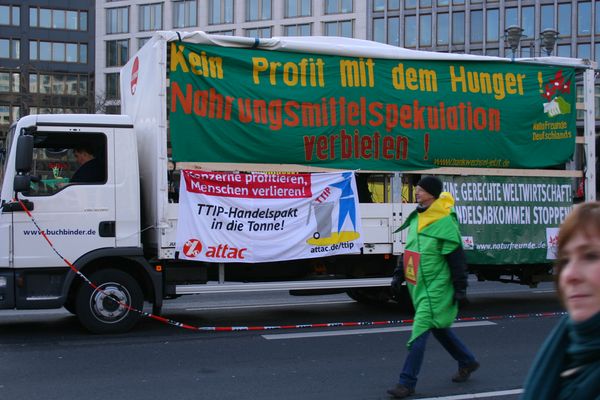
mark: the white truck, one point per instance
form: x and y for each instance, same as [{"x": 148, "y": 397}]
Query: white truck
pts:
[{"x": 120, "y": 231}]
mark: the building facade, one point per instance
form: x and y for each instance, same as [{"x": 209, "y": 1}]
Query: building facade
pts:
[{"x": 46, "y": 58}]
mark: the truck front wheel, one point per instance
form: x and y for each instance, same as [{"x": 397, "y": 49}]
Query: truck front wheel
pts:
[{"x": 106, "y": 309}]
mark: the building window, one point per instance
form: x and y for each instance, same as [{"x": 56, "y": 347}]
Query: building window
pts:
[
  {"x": 379, "y": 30},
  {"x": 546, "y": 17},
  {"x": 221, "y": 12},
  {"x": 378, "y": 5},
  {"x": 410, "y": 31},
  {"x": 584, "y": 51},
  {"x": 10, "y": 82},
  {"x": 564, "y": 19},
  {"x": 511, "y": 17},
  {"x": 338, "y": 28},
  {"x": 258, "y": 32},
  {"x": 393, "y": 4},
  {"x": 597, "y": 22},
  {"x": 117, "y": 20},
  {"x": 258, "y": 10},
  {"x": 298, "y": 8},
  {"x": 117, "y": 52},
  {"x": 142, "y": 41},
  {"x": 477, "y": 26},
  {"x": 10, "y": 48},
  {"x": 297, "y": 30},
  {"x": 426, "y": 3},
  {"x": 225, "y": 32},
  {"x": 10, "y": 15},
  {"x": 442, "y": 29},
  {"x": 458, "y": 28},
  {"x": 425, "y": 30},
  {"x": 410, "y": 4},
  {"x": 528, "y": 21},
  {"x": 151, "y": 17},
  {"x": 493, "y": 25},
  {"x": 563, "y": 50},
  {"x": 338, "y": 6},
  {"x": 393, "y": 35},
  {"x": 443, "y": 3},
  {"x": 584, "y": 19},
  {"x": 58, "y": 84},
  {"x": 185, "y": 13},
  {"x": 112, "y": 86},
  {"x": 59, "y": 52},
  {"x": 57, "y": 19}
]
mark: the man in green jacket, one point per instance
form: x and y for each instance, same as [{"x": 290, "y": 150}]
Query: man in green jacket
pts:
[{"x": 435, "y": 273}]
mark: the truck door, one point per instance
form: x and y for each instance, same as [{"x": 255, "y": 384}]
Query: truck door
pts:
[{"x": 73, "y": 204}]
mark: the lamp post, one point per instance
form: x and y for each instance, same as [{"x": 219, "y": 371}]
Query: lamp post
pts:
[
  {"x": 548, "y": 39},
  {"x": 513, "y": 35}
]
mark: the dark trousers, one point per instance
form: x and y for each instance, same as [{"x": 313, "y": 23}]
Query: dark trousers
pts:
[{"x": 414, "y": 359}]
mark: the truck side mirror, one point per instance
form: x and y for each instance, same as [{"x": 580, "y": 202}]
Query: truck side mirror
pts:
[
  {"x": 21, "y": 183},
  {"x": 24, "y": 157}
]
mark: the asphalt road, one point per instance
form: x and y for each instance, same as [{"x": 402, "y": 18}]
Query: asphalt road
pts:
[{"x": 46, "y": 355}]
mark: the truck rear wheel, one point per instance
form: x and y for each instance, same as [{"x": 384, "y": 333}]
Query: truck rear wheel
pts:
[{"x": 97, "y": 309}]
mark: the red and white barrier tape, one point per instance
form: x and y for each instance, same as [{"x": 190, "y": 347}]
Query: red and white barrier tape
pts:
[{"x": 271, "y": 327}]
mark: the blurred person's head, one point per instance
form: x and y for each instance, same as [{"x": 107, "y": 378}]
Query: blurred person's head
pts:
[
  {"x": 578, "y": 262},
  {"x": 83, "y": 154},
  {"x": 428, "y": 190}
]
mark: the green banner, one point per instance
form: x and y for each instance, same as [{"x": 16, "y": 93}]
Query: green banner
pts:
[
  {"x": 509, "y": 220},
  {"x": 256, "y": 106}
]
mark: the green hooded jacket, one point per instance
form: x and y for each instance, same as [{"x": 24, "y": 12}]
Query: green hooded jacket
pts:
[{"x": 432, "y": 235}]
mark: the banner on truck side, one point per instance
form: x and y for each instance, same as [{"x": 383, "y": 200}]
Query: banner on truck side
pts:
[
  {"x": 261, "y": 217},
  {"x": 257, "y": 106},
  {"x": 510, "y": 220}
]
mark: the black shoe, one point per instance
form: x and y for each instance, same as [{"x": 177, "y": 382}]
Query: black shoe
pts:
[
  {"x": 464, "y": 373},
  {"x": 401, "y": 391}
]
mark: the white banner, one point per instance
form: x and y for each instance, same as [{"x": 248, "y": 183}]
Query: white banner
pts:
[{"x": 257, "y": 217}]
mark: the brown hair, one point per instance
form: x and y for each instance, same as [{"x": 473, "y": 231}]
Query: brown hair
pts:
[{"x": 585, "y": 219}]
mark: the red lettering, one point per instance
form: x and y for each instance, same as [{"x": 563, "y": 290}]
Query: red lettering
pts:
[{"x": 309, "y": 144}]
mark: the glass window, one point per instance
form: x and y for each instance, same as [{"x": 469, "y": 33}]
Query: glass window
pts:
[
  {"x": 4, "y": 82},
  {"x": 458, "y": 2},
  {"x": 410, "y": 4},
  {"x": 58, "y": 52},
  {"x": 492, "y": 52},
  {"x": 442, "y": 29},
  {"x": 258, "y": 10},
  {"x": 58, "y": 84},
  {"x": 45, "y": 18},
  {"x": 83, "y": 19},
  {"x": 33, "y": 16},
  {"x": 259, "y": 32},
  {"x": 297, "y": 30},
  {"x": 564, "y": 19},
  {"x": 112, "y": 86},
  {"x": 379, "y": 30},
  {"x": 584, "y": 19},
  {"x": 10, "y": 48},
  {"x": 338, "y": 6},
  {"x": 10, "y": 15},
  {"x": 425, "y": 30},
  {"x": 33, "y": 83},
  {"x": 443, "y": 3},
  {"x": 44, "y": 83},
  {"x": 410, "y": 31},
  {"x": 584, "y": 51},
  {"x": 117, "y": 20},
  {"x": 58, "y": 19},
  {"x": 597, "y": 54},
  {"x": 33, "y": 50},
  {"x": 184, "y": 13},
  {"x": 597, "y": 23},
  {"x": 563, "y": 50},
  {"x": 71, "y": 55},
  {"x": 151, "y": 17},
  {"x": 221, "y": 12},
  {"x": 528, "y": 21},
  {"x": 546, "y": 17},
  {"x": 142, "y": 42},
  {"x": 71, "y": 85},
  {"x": 117, "y": 52},
  {"x": 83, "y": 49},
  {"x": 424, "y": 3},
  {"x": 393, "y": 35},
  {"x": 458, "y": 28},
  {"x": 511, "y": 17},
  {"x": 71, "y": 23},
  {"x": 297, "y": 8},
  {"x": 83, "y": 85},
  {"x": 493, "y": 25},
  {"x": 4, "y": 115},
  {"x": 338, "y": 28},
  {"x": 476, "y": 26},
  {"x": 393, "y": 4},
  {"x": 378, "y": 5}
]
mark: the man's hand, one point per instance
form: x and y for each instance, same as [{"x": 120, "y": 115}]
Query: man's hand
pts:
[{"x": 460, "y": 297}]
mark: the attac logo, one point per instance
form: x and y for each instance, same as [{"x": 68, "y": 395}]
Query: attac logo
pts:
[
  {"x": 193, "y": 248},
  {"x": 134, "y": 75}
]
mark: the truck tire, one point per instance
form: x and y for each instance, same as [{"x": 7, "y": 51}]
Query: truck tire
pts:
[
  {"x": 98, "y": 313},
  {"x": 373, "y": 296}
]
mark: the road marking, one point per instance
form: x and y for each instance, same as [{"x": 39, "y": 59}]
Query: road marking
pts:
[
  {"x": 476, "y": 395},
  {"x": 310, "y": 303},
  {"x": 364, "y": 331}
]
